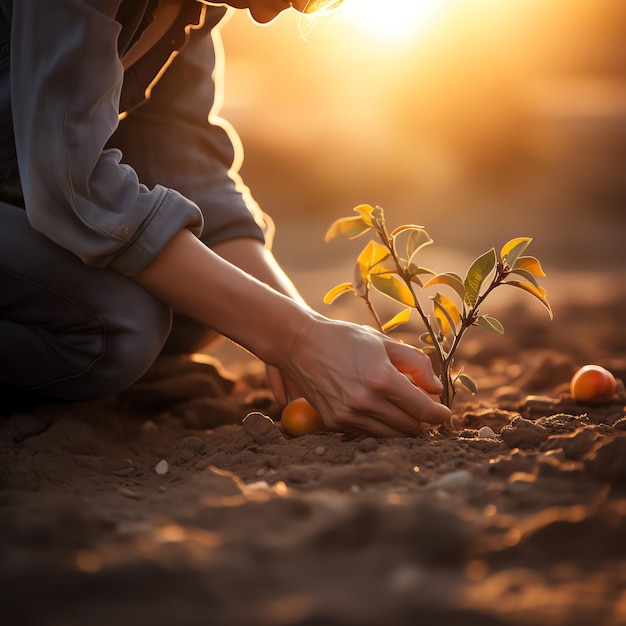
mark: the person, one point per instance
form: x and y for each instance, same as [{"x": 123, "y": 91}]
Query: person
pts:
[{"x": 121, "y": 209}]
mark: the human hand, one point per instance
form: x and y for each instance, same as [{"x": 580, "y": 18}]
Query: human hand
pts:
[{"x": 362, "y": 381}]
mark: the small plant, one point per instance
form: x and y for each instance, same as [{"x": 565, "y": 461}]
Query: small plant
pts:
[{"x": 382, "y": 266}]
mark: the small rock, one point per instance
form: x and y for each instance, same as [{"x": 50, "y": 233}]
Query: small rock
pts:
[
  {"x": 455, "y": 482},
  {"x": 192, "y": 444},
  {"x": 369, "y": 444},
  {"x": 486, "y": 432},
  {"x": 162, "y": 467},
  {"x": 262, "y": 429}
]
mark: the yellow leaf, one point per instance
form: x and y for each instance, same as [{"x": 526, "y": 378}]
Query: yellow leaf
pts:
[
  {"x": 337, "y": 291},
  {"x": 372, "y": 254},
  {"x": 512, "y": 249},
  {"x": 365, "y": 210},
  {"x": 530, "y": 264},
  {"x": 447, "y": 313},
  {"x": 350, "y": 227},
  {"x": 451, "y": 279},
  {"x": 538, "y": 292},
  {"x": 398, "y": 319},
  {"x": 393, "y": 287}
]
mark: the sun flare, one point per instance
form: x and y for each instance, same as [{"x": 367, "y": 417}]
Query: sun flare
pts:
[{"x": 392, "y": 20}]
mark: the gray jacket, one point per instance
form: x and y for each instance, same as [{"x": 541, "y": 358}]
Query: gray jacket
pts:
[{"x": 65, "y": 156}]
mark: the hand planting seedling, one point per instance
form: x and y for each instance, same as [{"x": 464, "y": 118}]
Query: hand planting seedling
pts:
[{"x": 387, "y": 265}]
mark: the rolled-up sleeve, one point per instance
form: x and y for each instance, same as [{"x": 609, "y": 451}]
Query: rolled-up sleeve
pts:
[
  {"x": 177, "y": 138},
  {"x": 66, "y": 79}
]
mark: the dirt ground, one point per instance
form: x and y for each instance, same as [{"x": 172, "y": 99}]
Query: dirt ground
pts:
[{"x": 246, "y": 526}]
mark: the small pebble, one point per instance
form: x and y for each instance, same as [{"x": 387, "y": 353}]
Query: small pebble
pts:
[
  {"x": 486, "y": 432},
  {"x": 455, "y": 481},
  {"x": 320, "y": 450},
  {"x": 369, "y": 444},
  {"x": 162, "y": 467}
]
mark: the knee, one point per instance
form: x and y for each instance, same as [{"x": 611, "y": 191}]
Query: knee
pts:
[
  {"x": 116, "y": 350},
  {"x": 132, "y": 343}
]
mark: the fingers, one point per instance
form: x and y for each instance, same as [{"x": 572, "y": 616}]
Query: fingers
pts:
[
  {"x": 355, "y": 378},
  {"x": 414, "y": 362},
  {"x": 388, "y": 405}
]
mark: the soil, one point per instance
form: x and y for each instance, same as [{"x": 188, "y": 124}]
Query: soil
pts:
[{"x": 180, "y": 513}]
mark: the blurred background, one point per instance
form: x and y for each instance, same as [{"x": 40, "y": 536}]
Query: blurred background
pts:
[{"x": 481, "y": 120}]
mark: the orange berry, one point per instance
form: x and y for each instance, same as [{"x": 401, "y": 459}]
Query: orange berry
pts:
[
  {"x": 300, "y": 418},
  {"x": 592, "y": 384}
]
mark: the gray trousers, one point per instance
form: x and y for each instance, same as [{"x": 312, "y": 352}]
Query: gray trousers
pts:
[
  {"x": 68, "y": 331},
  {"x": 72, "y": 332}
]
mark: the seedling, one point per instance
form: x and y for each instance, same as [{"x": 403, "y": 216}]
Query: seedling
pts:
[{"x": 387, "y": 265}]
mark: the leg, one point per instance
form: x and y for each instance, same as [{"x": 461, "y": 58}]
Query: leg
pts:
[{"x": 67, "y": 331}]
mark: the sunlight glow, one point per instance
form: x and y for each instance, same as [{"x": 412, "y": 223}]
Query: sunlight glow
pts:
[{"x": 392, "y": 20}]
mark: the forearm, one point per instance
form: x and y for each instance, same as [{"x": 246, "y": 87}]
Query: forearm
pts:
[
  {"x": 201, "y": 284},
  {"x": 254, "y": 258}
]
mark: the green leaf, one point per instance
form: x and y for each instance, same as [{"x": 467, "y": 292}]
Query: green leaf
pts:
[
  {"x": 447, "y": 313},
  {"x": 451, "y": 279},
  {"x": 476, "y": 276},
  {"x": 538, "y": 292},
  {"x": 490, "y": 323},
  {"x": 335, "y": 292},
  {"x": 467, "y": 382},
  {"x": 393, "y": 287},
  {"x": 530, "y": 264},
  {"x": 398, "y": 319},
  {"x": 513, "y": 249},
  {"x": 350, "y": 227}
]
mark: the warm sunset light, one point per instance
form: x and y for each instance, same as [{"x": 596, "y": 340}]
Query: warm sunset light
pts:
[{"x": 393, "y": 20}]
